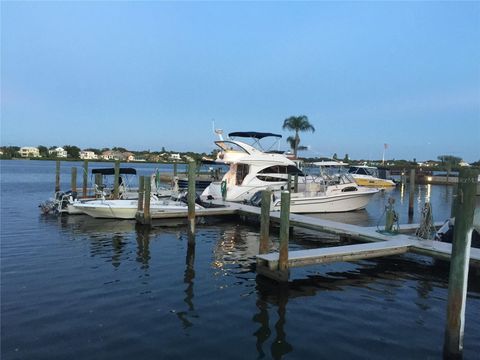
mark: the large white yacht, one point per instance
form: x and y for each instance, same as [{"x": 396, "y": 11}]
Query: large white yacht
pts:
[{"x": 251, "y": 168}]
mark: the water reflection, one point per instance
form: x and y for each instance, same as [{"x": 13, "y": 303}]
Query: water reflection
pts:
[
  {"x": 384, "y": 277},
  {"x": 402, "y": 193},
  {"x": 278, "y": 294},
  {"x": 188, "y": 277},
  {"x": 235, "y": 247},
  {"x": 143, "y": 245}
]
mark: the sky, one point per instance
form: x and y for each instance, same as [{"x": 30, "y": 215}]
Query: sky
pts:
[{"x": 147, "y": 75}]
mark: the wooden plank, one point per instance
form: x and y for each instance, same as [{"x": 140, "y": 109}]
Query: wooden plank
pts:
[
  {"x": 441, "y": 250},
  {"x": 409, "y": 228},
  {"x": 337, "y": 253}
]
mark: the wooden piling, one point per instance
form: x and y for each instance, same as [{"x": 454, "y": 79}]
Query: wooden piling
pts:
[
  {"x": 174, "y": 169},
  {"x": 85, "y": 178},
  {"x": 147, "y": 218},
  {"x": 265, "y": 222},
  {"x": 73, "y": 180},
  {"x": 458, "y": 277},
  {"x": 289, "y": 186},
  {"x": 295, "y": 183},
  {"x": 284, "y": 232},
  {"x": 412, "y": 193},
  {"x": 57, "y": 176},
  {"x": 191, "y": 200},
  {"x": 116, "y": 181},
  {"x": 141, "y": 191}
]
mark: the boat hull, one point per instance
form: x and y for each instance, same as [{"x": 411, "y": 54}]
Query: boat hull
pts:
[
  {"x": 125, "y": 209},
  {"x": 349, "y": 201},
  {"x": 373, "y": 182}
]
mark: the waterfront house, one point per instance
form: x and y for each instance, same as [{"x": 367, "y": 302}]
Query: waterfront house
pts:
[
  {"x": 29, "y": 151},
  {"x": 59, "y": 152},
  {"x": 128, "y": 156},
  {"x": 108, "y": 155},
  {"x": 112, "y": 155},
  {"x": 175, "y": 157},
  {"x": 88, "y": 155}
]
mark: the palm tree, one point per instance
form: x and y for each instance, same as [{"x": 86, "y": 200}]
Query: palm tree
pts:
[
  {"x": 296, "y": 142},
  {"x": 297, "y": 124}
]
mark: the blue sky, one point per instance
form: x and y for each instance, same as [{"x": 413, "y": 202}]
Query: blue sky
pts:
[{"x": 147, "y": 75}]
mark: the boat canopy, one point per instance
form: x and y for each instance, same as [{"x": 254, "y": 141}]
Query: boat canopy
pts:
[
  {"x": 253, "y": 134},
  {"x": 111, "y": 171}
]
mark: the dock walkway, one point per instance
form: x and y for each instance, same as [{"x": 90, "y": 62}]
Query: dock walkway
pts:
[{"x": 381, "y": 244}]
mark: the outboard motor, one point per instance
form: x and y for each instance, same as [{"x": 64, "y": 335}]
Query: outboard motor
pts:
[{"x": 256, "y": 199}]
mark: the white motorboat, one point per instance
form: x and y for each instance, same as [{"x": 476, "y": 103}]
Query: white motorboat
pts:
[
  {"x": 126, "y": 209},
  {"x": 251, "y": 169},
  {"x": 63, "y": 202},
  {"x": 339, "y": 194}
]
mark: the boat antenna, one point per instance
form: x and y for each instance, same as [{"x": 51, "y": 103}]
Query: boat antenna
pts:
[{"x": 219, "y": 132}]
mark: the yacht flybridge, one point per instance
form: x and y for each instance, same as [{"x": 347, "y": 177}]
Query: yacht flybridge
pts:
[{"x": 252, "y": 168}]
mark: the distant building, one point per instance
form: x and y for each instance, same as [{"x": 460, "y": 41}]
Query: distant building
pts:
[
  {"x": 108, "y": 155},
  {"x": 128, "y": 156},
  {"x": 175, "y": 157},
  {"x": 463, "y": 163},
  {"x": 112, "y": 155},
  {"x": 29, "y": 151},
  {"x": 88, "y": 155},
  {"x": 58, "y": 152}
]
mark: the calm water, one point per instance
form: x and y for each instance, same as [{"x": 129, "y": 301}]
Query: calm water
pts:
[{"x": 74, "y": 287}]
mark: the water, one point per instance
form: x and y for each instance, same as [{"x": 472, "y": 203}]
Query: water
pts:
[{"x": 75, "y": 287}]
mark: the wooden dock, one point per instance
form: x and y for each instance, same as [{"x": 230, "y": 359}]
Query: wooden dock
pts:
[
  {"x": 376, "y": 244},
  {"x": 338, "y": 253}
]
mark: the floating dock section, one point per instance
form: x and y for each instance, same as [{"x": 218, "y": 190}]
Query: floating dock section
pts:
[{"x": 376, "y": 244}]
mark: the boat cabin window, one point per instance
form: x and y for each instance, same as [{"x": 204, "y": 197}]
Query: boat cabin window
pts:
[
  {"x": 281, "y": 169},
  {"x": 270, "y": 178}
]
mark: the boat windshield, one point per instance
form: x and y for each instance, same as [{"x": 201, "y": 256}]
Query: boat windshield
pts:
[
  {"x": 339, "y": 179},
  {"x": 362, "y": 171},
  {"x": 230, "y": 146}
]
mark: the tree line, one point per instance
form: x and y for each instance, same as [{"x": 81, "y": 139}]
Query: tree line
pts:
[{"x": 297, "y": 124}]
